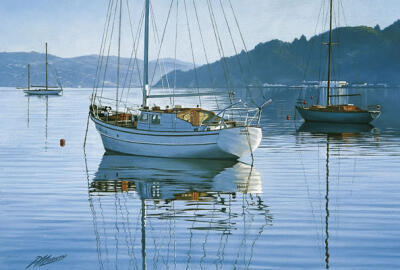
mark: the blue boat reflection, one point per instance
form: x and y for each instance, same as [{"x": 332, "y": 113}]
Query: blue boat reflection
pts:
[{"x": 334, "y": 128}]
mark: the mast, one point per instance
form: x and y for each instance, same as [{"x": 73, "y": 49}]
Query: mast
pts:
[
  {"x": 329, "y": 54},
  {"x": 47, "y": 83},
  {"x": 119, "y": 54},
  {"x": 29, "y": 76},
  {"x": 146, "y": 54}
]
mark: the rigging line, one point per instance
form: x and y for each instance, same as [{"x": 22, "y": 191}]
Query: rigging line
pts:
[
  {"x": 129, "y": 231},
  {"x": 344, "y": 14},
  {"x": 108, "y": 52},
  {"x": 156, "y": 253},
  {"x": 306, "y": 182},
  {"x": 157, "y": 42},
  {"x": 242, "y": 244},
  {"x": 312, "y": 44},
  {"x": 191, "y": 48},
  {"x": 236, "y": 52},
  {"x": 218, "y": 46},
  {"x": 218, "y": 251},
  {"x": 99, "y": 59},
  {"x": 191, "y": 234},
  {"x": 218, "y": 39},
  {"x": 220, "y": 51},
  {"x": 137, "y": 226},
  {"x": 175, "y": 50},
  {"x": 229, "y": 230},
  {"x": 240, "y": 31},
  {"x": 125, "y": 227},
  {"x": 231, "y": 36},
  {"x": 245, "y": 49},
  {"x": 206, "y": 237},
  {"x": 119, "y": 55},
  {"x": 104, "y": 229},
  {"x": 260, "y": 232},
  {"x": 132, "y": 51},
  {"x": 162, "y": 37},
  {"x": 94, "y": 216},
  {"x": 310, "y": 53},
  {"x": 161, "y": 63},
  {"x": 102, "y": 52},
  {"x": 251, "y": 221},
  {"x": 139, "y": 33},
  {"x": 205, "y": 52}
]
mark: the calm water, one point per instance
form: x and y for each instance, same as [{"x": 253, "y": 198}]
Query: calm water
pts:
[{"x": 312, "y": 200}]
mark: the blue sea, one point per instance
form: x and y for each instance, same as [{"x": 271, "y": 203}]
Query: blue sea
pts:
[{"x": 316, "y": 197}]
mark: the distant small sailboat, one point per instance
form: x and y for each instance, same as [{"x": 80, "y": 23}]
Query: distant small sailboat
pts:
[
  {"x": 341, "y": 113},
  {"x": 42, "y": 90}
]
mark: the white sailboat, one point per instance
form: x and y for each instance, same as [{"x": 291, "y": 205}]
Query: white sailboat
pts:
[
  {"x": 42, "y": 90},
  {"x": 175, "y": 132}
]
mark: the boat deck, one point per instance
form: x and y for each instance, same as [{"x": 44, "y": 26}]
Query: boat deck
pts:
[{"x": 336, "y": 108}]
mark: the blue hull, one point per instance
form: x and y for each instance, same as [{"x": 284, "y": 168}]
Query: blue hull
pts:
[{"x": 364, "y": 117}]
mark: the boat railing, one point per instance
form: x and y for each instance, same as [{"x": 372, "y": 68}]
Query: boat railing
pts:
[
  {"x": 103, "y": 110},
  {"x": 237, "y": 114}
]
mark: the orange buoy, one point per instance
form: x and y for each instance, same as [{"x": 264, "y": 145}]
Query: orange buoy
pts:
[
  {"x": 62, "y": 142},
  {"x": 305, "y": 102},
  {"x": 287, "y": 117}
]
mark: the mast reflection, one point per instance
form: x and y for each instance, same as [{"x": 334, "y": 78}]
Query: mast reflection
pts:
[{"x": 332, "y": 131}]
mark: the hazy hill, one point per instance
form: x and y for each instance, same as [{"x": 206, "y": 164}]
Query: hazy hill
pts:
[
  {"x": 74, "y": 72},
  {"x": 363, "y": 54}
]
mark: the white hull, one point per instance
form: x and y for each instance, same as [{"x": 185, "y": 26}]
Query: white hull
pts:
[
  {"x": 230, "y": 143},
  {"x": 43, "y": 92}
]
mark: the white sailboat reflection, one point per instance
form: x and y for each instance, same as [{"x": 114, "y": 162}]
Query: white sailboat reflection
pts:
[
  {"x": 206, "y": 200},
  {"x": 174, "y": 176}
]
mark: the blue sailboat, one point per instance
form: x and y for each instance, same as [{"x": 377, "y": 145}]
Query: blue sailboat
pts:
[{"x": 341, "y": 113}]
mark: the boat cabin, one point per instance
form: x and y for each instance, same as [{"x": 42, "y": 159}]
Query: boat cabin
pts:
[
  {"x": 177, "y": 119},
  {"x": 156, "y": 119}
]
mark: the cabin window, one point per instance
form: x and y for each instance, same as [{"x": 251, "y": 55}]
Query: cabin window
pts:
[
  {"x": 195, "y": 116},
  {"x": 155, "y": 119},
  {"x": 143, "y": 117}
]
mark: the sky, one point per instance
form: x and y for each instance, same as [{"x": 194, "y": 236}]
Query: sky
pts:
[{"x": 74, "y": 27}]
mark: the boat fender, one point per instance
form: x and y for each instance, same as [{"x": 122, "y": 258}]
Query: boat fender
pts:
[{"x": 378, "y": 107}]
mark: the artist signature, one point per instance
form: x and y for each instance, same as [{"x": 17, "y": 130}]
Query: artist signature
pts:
[{"x": 43, "y": 260}]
